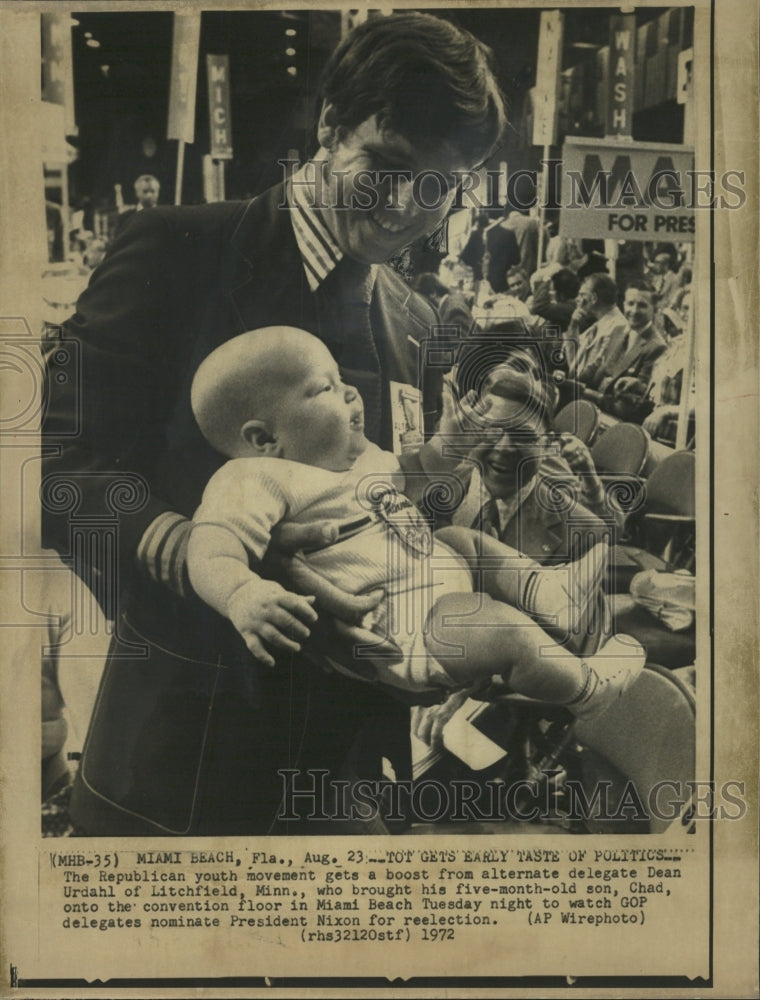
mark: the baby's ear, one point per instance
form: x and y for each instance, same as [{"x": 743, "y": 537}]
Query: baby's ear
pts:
[{"x": 259, "y": 439}]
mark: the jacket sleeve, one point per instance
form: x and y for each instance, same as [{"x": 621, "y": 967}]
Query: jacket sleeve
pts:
[{"x": 109, "y": 386}]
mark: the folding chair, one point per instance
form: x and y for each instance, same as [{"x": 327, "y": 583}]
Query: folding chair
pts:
[
  {"x": 648, "y": 736},
  {"x": 580, "y": 418},
  {"x": 661, "y": 537},
  {"x": 665, "y": 525},
  {"x": 660, "y": 533},
  {"x": 622, "y": 450}
]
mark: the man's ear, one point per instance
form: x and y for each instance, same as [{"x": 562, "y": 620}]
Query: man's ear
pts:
[
  {"x": 259, "y": 438},
  {"x": 329, "y": 132}
]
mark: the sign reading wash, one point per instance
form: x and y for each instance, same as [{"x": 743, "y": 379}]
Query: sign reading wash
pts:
[{"x": 613, "y": 189}]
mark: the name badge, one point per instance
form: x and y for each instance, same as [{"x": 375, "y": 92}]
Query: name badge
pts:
[{"x": 405, "y": 520}]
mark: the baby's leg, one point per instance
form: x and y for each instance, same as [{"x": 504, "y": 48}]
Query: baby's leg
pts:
[
  {"x": 473, "y": 637},
  {"x": 565, "y": 599}
]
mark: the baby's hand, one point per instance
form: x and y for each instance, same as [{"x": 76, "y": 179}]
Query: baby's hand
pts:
[{"x": 264, "y": 612}]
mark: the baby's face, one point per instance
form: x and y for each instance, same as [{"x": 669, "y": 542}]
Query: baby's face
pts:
[{"x": 318, "y": 420}]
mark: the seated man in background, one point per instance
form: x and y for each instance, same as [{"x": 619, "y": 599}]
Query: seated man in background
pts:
[
  {"x": 595, "y": 319},
  {"x": 518, "y": 284},
  {"x": 554, "y": 298},
  {"x": 629, "y": 352}
]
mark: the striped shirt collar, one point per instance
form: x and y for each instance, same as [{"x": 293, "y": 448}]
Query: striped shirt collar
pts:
[{"x": 319, "y": 251}]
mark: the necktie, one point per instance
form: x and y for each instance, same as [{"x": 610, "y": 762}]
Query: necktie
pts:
[
  {"x": 347, "y": 294},
  {"x": 487, "y": 520}
]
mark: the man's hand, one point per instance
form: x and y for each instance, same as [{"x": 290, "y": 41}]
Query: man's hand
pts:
[
  {"x": 467, "y": 416},
  {"x": 630, "y": 384},
  {"x": 350, "y": 608},
  {"x": 285, "y": 561},
  {"x": 289, "y": 538},
  {"x": 428, "y": 722},
  {"x": 578, "y": 457},
  {"x": 576, "y": 454},
  {"x": 580, "y": 316},
  {"x": 264, "y": 612},
  {"x": 657, "y": 419}
]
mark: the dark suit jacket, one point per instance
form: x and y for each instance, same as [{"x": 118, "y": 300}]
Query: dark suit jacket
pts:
[
  {"x": 637, "y": 362},
  {"x": 551, "y": 529},
  {"x": 502, "y": 252},
  {"x": 187, "y": 734}
]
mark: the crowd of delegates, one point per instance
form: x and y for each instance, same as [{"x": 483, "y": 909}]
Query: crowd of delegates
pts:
[
  {"x": 190, "y": 732},
  {"x": 621, "y": 338}
]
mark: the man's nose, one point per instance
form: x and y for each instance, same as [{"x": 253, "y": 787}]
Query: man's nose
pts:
[
  {"x": 403, "y": 195},
  {"x": 504, "y": 443}
]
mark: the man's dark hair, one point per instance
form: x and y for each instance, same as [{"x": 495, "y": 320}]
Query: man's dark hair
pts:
[
  {"x": 641, "y": 285},
  {"x": 603, "y": 287},
  {"x": 565, "y": 284},
  {"x": 422, "y": 77},
  {"x": 667, "y": 250}
]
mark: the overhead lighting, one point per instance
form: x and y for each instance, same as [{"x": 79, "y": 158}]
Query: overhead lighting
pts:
[
  {"x": 291, "y": 32},
  {"x": 88, "y": 34},
  {"x": 292, "y": 70},
  {"x": 290, "y": 52},
  {"x": 584, "y": 45},
  {"x": 74, "y": 23},
  {"x": 93, "y": 43}
]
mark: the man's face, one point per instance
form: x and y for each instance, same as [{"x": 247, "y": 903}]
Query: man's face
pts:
[
  {"x": 382, "y": 192},
  {"x": 318, "y": 420},
  {"x": 147, "y": 193},
  {"x": 638, "y": 308},
  {"x": 518, "y": 286},
  {"x": 513, "y": 460},
  {"x": 586, "y": 299}
]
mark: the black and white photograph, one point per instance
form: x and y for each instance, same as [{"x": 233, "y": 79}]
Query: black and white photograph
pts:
[{"x": 379, "y": 448}]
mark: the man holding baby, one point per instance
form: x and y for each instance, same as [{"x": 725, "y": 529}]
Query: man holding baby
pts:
[{"x": 189, "y": 732}]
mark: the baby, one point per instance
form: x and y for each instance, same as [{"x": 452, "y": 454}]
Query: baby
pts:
[{"x": 273, "y": 402}]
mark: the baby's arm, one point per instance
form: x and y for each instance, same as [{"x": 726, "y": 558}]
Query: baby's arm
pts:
[{"x": 261, "y": 610}]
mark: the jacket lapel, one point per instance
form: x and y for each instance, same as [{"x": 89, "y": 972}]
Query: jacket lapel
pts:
[
  {"x": 268, "y": 282},
  {"x": 534, "y": 531},
  {"x": 629, "y": 359}
]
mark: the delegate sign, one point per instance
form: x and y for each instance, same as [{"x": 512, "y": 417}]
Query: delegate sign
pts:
[{"x": 625, "y": 190}]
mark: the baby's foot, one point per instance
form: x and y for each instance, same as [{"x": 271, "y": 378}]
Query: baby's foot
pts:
[
  {"x": 566, "y": 599},
  {"x": 608, "y": 674}
]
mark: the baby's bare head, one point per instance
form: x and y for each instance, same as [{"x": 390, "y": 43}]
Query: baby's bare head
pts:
[{"x": 244, "y": 379}]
